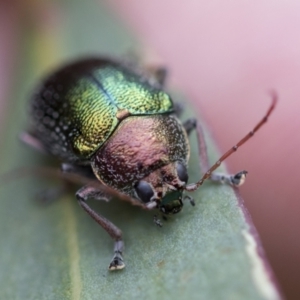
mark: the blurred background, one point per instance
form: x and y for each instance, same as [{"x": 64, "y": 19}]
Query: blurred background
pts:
[{"x": 225, "y": 56}]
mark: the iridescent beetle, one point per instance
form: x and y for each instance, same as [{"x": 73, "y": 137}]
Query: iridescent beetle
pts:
[{"x": 104, "y": 119}]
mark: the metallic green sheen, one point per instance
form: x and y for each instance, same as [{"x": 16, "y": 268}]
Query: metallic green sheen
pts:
[
  {"x": 79, "y": 107},
  {"x": 95, "y": 102}
]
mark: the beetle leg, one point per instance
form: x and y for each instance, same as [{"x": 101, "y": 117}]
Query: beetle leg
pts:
[
  {"x": 157, "y": 221},
  {"x": 32, "y": 141},
  {"x": 190, "y": 125},
  {"x": 231, "y": 179},
  {"x": 50, "y": 195},
  {"x": 178, "y": 109},
  {"x": 82, "y": 196},
  {"x": 136, "y": 61},
  {"x": 190, "y": 199},
  {"x": 85, "y": 171},
  {"x": 90, "y": 192},
  {"x": 159, "y": 73}
]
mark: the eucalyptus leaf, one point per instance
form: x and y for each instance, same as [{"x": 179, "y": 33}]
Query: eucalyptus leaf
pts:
[{"x": 56, "y": 251}]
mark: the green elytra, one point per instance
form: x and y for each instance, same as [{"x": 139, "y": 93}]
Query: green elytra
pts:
[{"x": 82, "y": 105}]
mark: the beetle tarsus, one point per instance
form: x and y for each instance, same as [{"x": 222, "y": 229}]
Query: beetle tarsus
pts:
[
  {"x": 189, "y": 125},
  {"x": 239, "y": 178},
  {"x": 157, "y": 221},
  {"x": 117, "y": 263},
  {"x": 234, "y": 179}
]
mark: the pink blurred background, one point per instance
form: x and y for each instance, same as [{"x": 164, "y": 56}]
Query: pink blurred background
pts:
[{"x": 227, "y": 55}]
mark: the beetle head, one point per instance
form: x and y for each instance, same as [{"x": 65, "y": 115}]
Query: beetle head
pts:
[{"x": 163, "y": 188}]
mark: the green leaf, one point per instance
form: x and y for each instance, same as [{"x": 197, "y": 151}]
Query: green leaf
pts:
[{"x": 58, "y": 252}]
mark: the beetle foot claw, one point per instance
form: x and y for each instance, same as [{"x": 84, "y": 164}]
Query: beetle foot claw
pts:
[{"x": 117, "y": 262}]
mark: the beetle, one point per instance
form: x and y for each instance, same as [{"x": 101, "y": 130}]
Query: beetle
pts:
[{"x": 111, "y": 121}]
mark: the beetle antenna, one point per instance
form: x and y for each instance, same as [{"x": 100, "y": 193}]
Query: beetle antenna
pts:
[{"x": 208, "y": 174}]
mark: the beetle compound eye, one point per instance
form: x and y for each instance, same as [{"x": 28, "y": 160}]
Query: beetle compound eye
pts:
[
  {"x": 182, "y": 172},
  {"x": 144, "y": 191}
]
